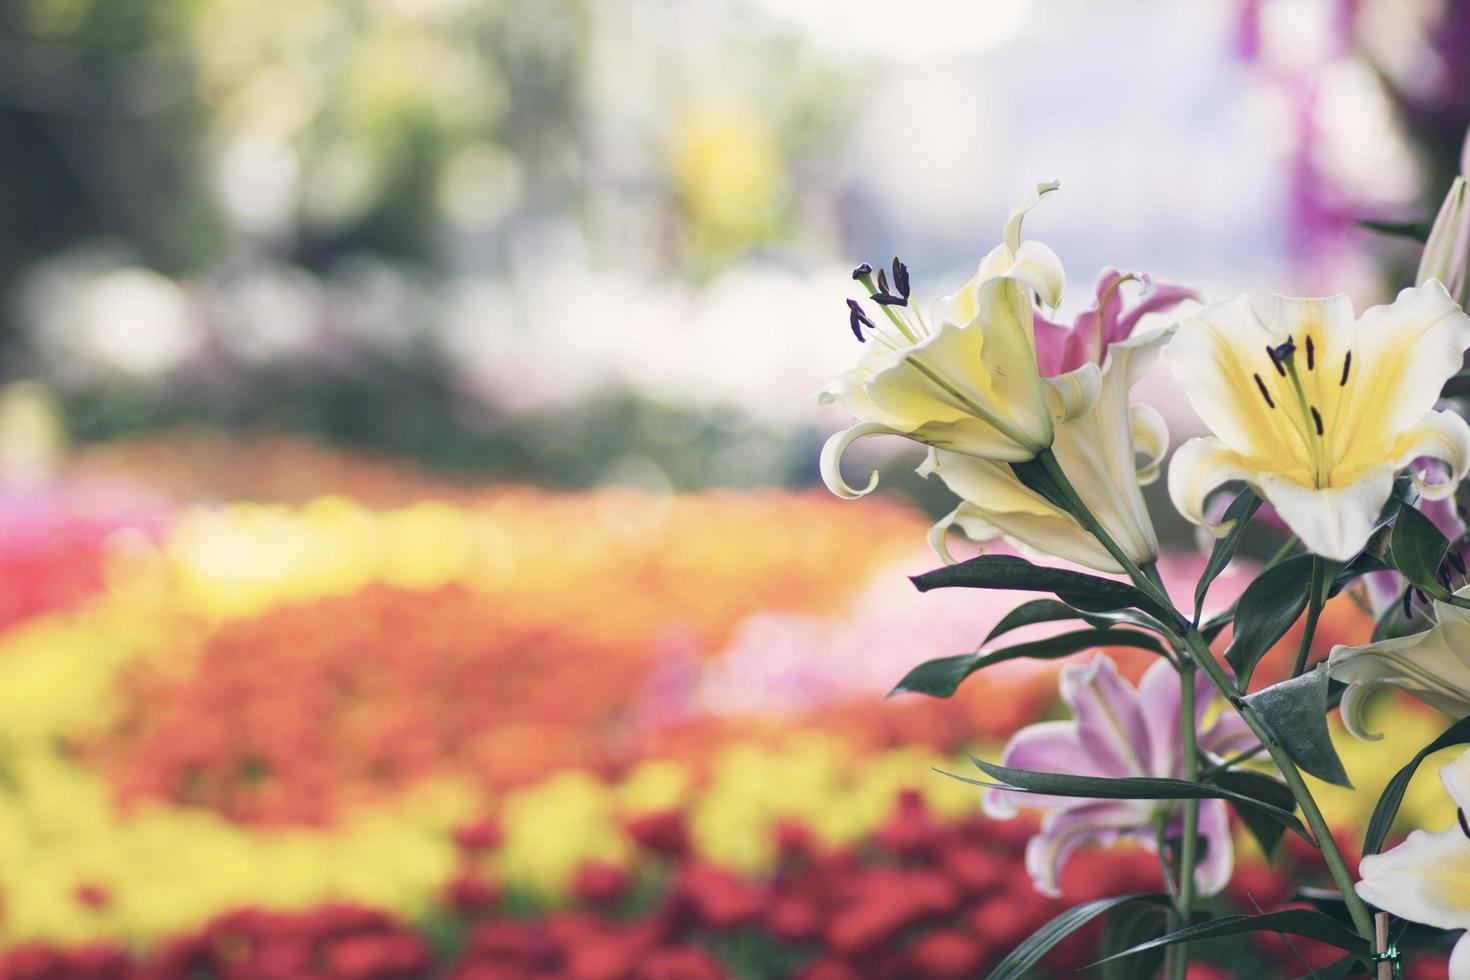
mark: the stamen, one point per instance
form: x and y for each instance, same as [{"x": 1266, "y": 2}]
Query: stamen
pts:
[
  {"x": 884, "y": 297},
  {"x": 1309, "y": 352},
  {"x": 1347, "y": 362},
  {"x": 1464, "y": 826},
  {"x": 1317, "y": 418},
  {"x": 901, "y": 277},
  {"x": 857, "y": 320},
  {"x": 1271, "y": 353},
  {"x": 1408, "y": 603},
  {"x": 1281, "y": 354},
  {"x": 861, "y": 271},
  {"x": 1264, "y": 393}
]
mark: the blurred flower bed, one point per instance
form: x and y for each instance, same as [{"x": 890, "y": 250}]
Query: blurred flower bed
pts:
[{"x": 411, "y": 729}]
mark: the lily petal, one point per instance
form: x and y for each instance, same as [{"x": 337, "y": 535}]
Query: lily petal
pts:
[
  {"x": 1406, "y": 351},
  {"x": 1430, "y": 666},
  {"x": 831, "y": 461},
  {"x": 1047, "y": 746},
  {"x": 1109, "y": 720},
  {"x": 997, "y": 504},
  {"x": 970, "y": 519},
  {"x": 1423, "y": 879},
  {"x": 1038, "y": 267},
  {"x": 1443, "y": 436},
  {"x": 1214, "y": 357},
  {"x": 1151, "y": 441},
  {"x": 1334, "y": 522},
  {"x": 1065, "y": 830},
  {"x": 1217, "y": 860},
  {"x": 1074, "y": 393}
]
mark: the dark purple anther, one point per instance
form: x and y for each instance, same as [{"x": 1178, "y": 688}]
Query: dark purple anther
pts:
[
  {"x": 1281, "y": 354},
  {"x": 858, "y": 320},
  {"x": 862, "y": 270},
  {"x": 901, "y": 277}
]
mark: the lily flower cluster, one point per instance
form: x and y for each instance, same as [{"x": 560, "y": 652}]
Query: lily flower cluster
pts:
[{"x": 1342, "y": 424}]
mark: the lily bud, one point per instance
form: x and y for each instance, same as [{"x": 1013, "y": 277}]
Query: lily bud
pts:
[{"x": 1447, "y": 252}]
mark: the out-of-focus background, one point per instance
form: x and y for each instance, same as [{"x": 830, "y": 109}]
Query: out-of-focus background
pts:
[{"x": 412, "y": 560}]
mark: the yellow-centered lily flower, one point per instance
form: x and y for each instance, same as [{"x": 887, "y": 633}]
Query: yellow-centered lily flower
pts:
[
  {"x": 1097, "y": 449},
  {"x": 965, "y": 379},
  {"x": 1427, "y": 877},
  {"x": 1319, "y": 411}
]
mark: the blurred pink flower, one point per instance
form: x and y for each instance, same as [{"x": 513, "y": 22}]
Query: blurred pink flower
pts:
[
  {"x": 1117, "y": 731},
  {"x": 1060, "y": 348}
]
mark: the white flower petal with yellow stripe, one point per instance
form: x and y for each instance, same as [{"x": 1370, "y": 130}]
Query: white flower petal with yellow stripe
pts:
[
  {"x": 1427, "y": 878},
  {"x": 1319, "y": 411},
  {"x": 1098, "y": 448}
]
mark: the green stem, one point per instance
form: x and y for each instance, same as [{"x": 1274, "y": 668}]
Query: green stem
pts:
[
  {"x": 1336, "y": 866},
  {"x": 1085, "y": 517},
  {"x": 1189, "y": 847},
  {"x": 1199, "y": 650},
  {"x": 1314, "y": 610}
]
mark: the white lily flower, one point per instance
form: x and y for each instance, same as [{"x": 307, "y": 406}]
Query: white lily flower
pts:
[
  {"x": 966, "y": 380},
  {"x": 1096, "y": 449},
  {"x": 1318, "y": 412},
  {"x": 1432, "y": 666},
  {"x": 1427, "y": 877}
]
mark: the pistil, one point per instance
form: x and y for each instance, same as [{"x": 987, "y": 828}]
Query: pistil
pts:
[{"x": 1284, "y": 359}]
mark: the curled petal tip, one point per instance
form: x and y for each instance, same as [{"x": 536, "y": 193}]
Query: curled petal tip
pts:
[{"x": 831, "y": 461}]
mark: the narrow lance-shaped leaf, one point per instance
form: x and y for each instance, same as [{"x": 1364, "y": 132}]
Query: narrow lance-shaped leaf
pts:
[
  {"x": 1267, "y": 609},
  {"x": 1127, "y": 926},
  {"x": 1122, "y": 788},
  {"x": 1265, "y": 828},
  {"x": 1031, "y": 949},
  {"x": 942, "y": 677},
  {"x": 1295, "y": 712},
  {"x": 1393, "y": 794},
  {"x": 1239, "y": 515},
  {"x": 1298, "y": 922},
  {"x": 1038, "y": 611},
  {"x": 1089, "y": 593}
]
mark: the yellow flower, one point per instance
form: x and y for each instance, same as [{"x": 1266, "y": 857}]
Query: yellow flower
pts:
[
  {"x": 967, "y": 381},
  {"x": 1318, "y": 412},
  {"x": 1096, "y": 450}
]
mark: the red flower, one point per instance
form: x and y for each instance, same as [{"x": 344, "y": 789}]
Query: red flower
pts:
[
  {"x": 947, "y": 953},
  {"x": 598, "y": 881},
  {"x": 663, "y": 832},
  {"x": 471, "y": 892},
  {"x": 678, "y": 963},
  {"x": 482, "y": 835}
]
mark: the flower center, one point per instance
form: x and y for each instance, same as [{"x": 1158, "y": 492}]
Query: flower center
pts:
[{"x": 1304, "y": 416}]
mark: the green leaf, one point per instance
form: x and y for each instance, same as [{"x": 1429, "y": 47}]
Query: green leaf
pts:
[
  {"x": 1239, "y": 514},
  {"x": 1039, "y": 943},
  {"x": 1298, "y": 922},
  {"x": 1127, "y": 926},
  {"x": 1417, "y": 230},
  {"x": 1264, "y": 827},
  {"x": 1088, "y": 593},
  {"x": 1267, "y": 609},
  {"x": 1417, "y": 549},
  {"x": 1393, "y": 794},
  {"x": 942, "y": 677},
  {"x": 1124, "y": 788},
  {"x": 1295, "y": 712},
  {"x": 1052, "y": 611}
]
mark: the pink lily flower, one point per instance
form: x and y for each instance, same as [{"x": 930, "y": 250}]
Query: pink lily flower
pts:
[
  {"x": 1060, "y": 348},
  {"x": 1118, "y": 731}
]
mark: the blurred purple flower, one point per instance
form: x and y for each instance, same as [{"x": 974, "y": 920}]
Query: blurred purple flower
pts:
[
  {"x": 1060, "y": 348},
  {"x": 1118, "y": 731}
]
